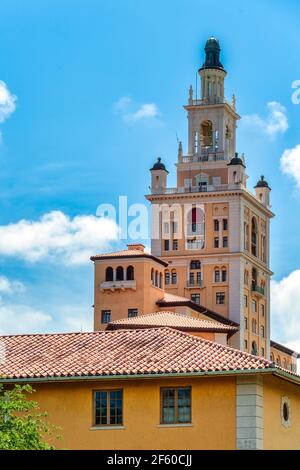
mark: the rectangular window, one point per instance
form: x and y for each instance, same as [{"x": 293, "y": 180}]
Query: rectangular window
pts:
[
  {"x": 175, "y": 227},
  {"x": 225, "y": 224},
  {"x": 220, "y": 298},
  {"x": 217, "y": 276},
  {"x": 246, "y": 323},
  {"x": 254, "y": 306},
  {"x": 195, "y": 298},
  {"x": 216, "y": 242},
  {"x": 245, "y": 300},
  {"x": 167, "y": 278},
  {"x": 225, "y": 242},
  {"x": 175, "y": 405},
  {"x": 199, "y": 278},
  {"x": 262, "y": 331},
  {"x": 262, "y": 310},
  {"x": 224, "y": 275},
  {"x": 166, "y": 245},
  {"x": 132, "y": 312},
  {"x": 108, "y": 408},
  {"x": 175, "y": 245},
  {"x": 192, "y": 279},
  {"x": 105, "y": 316},
  {"x": 166, "y": 228},
  {"x": 216, "y": 225}
]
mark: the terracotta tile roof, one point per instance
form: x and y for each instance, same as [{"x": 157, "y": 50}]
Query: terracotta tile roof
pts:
[
  {"x": 129, "y": 253},
  {"x": 120, "y": 352},
  {"x": 172, "y": 320},
  {"x": 171, "y": 300}
]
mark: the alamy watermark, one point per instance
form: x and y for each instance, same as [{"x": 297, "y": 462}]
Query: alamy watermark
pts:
[
  {"x": 296, "y": 93},
  {"x": 178, "y": 220}
]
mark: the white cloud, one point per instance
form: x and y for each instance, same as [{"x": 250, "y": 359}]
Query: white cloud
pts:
[
  {"x": 145, "y": 111},
  {"x": 285, "y": 310},
  {"x": 7, "y": 102},
  {"x": 10, "y": 287},
  {"x": 290, "y": 163},
  {"x": 17, "y": 319},
  {"x": 274, "y": 123},
  {"x": 137, "y": 113},
  {"x": 122, "y": 103},
  {"x": 56, "y": 236}
]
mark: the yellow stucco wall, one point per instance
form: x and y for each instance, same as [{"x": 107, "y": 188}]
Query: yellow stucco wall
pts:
[
  {"x": 276, "y": 436},
  {"x": 69, "y": 405}
]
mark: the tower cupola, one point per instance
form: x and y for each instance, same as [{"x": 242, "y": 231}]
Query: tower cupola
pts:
[
  {"x": 212, "y": 54},
  {"x": 262, "y": 191},
  {"x": 159, "y": 175}
]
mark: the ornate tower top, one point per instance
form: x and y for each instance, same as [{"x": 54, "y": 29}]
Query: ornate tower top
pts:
[{"x": 212, "y": 55}]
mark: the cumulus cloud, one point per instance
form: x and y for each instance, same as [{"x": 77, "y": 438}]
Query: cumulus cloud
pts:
[
  {"x": 290, "y": 163},
  {"x": 56, "y": 236},
  {"x": 132, "y": 113},
  {"x": 10, "y": 287},
  {"x": 7, "y": 102},
  {"x": 285, "y": 310},
  {"x": 17, "y": 319},
  {"x": 274, "y": 123}
]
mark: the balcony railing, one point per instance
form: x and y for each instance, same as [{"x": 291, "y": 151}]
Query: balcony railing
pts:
[
  {"x": 198, "y": 189},
  {"x": 195, "y": 245},
  {"x": 118, "y": 285},
  {"x": 209, "y": 155},
  {"x": 194, "y": 283},
  {"x": 260, "y": 290}
]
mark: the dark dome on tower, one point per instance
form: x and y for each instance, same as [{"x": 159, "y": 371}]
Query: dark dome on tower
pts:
[
  {"x": 262, "y": 183},
  {"x": 236, "y": 160},
  {"x": 212, "y": 54},
  {"x": 158, "y": 165}
]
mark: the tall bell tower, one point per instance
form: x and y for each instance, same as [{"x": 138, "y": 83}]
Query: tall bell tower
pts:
[{"x": 212, "y": 231}]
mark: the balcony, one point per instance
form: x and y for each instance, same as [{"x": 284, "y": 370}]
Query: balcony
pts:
[
  {"x": 209, "y": 188},
  {"x": 117, "y": 285},
  {"x": 195, "y": 245},
  {"x": 209, "y": 155},
  {"x": 194, "y": 283},
  {"x": 258, "y": 289}
]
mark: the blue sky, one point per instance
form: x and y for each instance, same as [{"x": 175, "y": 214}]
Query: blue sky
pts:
[{"x": 67, "y": 147}]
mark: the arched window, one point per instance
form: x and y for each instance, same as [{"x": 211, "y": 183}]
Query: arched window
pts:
[
  {"x": 130, "y": 273},
  {"x": 152, "y": 276},
  {"x": 206, "y": 137},
  {"x": 272, "y": 357},
  {"x": 278, "y": 361},
  {"x": 254, "y": 348},
  {"x": 120, "y": 273},
  {"x": 195, "y": 264},
  {"x": 109, "y": 274},
  {"x": 156, "y": 278},
  {"x": 167, "y": 278},
  {"x": 160, "y": 280},
  {"x": 254, "y": 248},
  {"x": 174, "y": 277},
  {"x": 254, "y": 278},
  {"x": 217, "y": 275},
  {"x": 254, "y": 326}
]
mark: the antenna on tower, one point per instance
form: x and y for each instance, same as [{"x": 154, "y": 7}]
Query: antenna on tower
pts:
[{"x": 196, "y": 86}]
